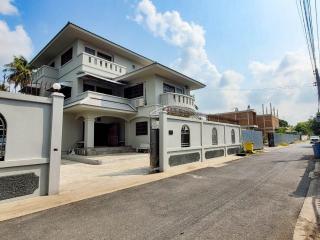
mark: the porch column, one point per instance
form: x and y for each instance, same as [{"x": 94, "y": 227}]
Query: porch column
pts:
[{"x": 89, "y": 132}]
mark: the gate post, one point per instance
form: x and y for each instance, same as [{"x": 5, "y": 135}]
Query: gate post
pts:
[
  {"x": 55, "y": 142},
  {"x": 164, "y": 165}
]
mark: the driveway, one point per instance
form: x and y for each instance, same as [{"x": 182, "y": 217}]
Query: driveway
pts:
[{"x": 258, "y": 197}]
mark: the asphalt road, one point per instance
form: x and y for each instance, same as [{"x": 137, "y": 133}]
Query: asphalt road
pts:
[{"x": 258, "y": 197}]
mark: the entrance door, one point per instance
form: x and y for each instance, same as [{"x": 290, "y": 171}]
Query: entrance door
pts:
[
  {"x": 113, "y": 134},
  {"x": 100, "y": 135}
]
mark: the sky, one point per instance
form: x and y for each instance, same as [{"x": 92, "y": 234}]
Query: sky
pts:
[{"x": 248, "y": 52}]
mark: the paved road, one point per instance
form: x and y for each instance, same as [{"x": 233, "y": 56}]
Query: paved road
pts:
[{"x": 254, "y": 198}]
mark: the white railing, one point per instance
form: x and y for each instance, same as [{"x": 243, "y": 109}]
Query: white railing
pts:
[
  {"x": 45, "y": 71},
  {"x": 177, "y": 100},
  {"x": 97, "y": 96},
  {"x": 102, "y": 64}
]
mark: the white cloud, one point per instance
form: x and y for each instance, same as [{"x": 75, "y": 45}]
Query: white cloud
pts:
[
  {"x": 7, "y": 7},
  {"x": 223, "y": 91},
  {"x": 13, "y": 42}
]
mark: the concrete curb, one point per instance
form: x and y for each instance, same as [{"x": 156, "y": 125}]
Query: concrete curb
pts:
[
  {"x": 81, "y": 159},
  {"x": 307, "y": 223}
]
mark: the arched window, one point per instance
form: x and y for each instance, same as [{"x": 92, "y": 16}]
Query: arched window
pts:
[
  {"x": 214, "y": 136},
  {"x": 233, "y": 136},
  {"x": 185, "y": 136},
  {"x": 3, "y": 134}
]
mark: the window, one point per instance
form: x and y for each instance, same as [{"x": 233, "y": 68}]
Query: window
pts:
[
  {"x": 185, "y": 136},
  {"x": 3, "y": 135},
  {"x": 104, "y": 56},
  {"x": 66, "y": 57},
  {"x": 90, "y": 51},
  {"x": 179, "y": 90},
  {"x": 168, "y": 88},
  {"x": 141, "y": 128},
  {"x": 87, "y": 87},
  {"x": 104, "y": 90},
  {"x": 134, "y": 92},
  {"x": 233, "y": 136},
  {"x": 66, "y": 91},
  {"x": 214, "y": 136}
]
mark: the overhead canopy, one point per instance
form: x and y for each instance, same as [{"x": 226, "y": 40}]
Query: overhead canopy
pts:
[
  {"x": 71, "y": 32},
  {"x": 96, "y": 77},
  {"x": 163, "y": 71}
]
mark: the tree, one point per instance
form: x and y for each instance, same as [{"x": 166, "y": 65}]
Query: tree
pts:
[
  {"x": 19, "y": 72},
  {"x": 283, "y": 123},
  {"x": 304, "y": 127}
]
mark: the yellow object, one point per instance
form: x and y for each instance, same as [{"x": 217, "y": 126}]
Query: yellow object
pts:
[{"x": 248, "y": 147}]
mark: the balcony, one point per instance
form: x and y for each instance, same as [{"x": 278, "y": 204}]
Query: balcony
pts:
[
  {"x": 177, "y": 100},
  {"x": 45, "y": 72},
  {"x": 99, "y": 102},
  {"x": 100, "y": 66}
]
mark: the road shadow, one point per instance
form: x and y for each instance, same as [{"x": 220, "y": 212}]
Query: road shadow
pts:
[{"x": 303, "y": 186}]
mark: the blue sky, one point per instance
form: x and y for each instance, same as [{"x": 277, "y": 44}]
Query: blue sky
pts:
[{"x": 251, "y": 43}]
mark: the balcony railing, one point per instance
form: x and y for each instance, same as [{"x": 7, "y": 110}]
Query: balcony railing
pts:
[
  {"x": 177, "y": 100},
  {"x": 46, "y": 72},
  {"x": 99, "y": 64}
]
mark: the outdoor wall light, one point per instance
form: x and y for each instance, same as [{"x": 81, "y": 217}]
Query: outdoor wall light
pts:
[{"x": 56, "y": 87}]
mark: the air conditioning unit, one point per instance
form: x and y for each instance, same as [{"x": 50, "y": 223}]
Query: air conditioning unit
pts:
[{"x": 139, "y": 102}]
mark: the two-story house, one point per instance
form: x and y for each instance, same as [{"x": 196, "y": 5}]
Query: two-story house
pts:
[{"x": 109, "y": 90}]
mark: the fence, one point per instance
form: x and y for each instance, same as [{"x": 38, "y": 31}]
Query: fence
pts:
[
  {"x": 31, "y": 142},
  {"x": 186, "y": 140},
  {"x": 253, "y": 136},
  {"x": 276, "y": 139}
]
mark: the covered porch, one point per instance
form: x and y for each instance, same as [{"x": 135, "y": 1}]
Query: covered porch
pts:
[{"x": 105, "y": 122}]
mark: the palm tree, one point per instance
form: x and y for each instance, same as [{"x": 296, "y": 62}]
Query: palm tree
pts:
[
  {"x": 19, "y": 72},
  {"x": 3, "y": 86}
]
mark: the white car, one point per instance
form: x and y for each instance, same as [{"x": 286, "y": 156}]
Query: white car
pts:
[{"x": 314, "y": 139}]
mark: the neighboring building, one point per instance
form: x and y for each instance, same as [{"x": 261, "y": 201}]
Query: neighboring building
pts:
[
  {"x": 267, "y": 123},
  {"x": 109, "y": 90},
  {"x": 246, "y": 118}
]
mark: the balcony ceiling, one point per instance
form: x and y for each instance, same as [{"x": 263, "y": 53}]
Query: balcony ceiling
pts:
[
  {"x": 71, "y": 33},
  {"x": 162, "y": 71}
]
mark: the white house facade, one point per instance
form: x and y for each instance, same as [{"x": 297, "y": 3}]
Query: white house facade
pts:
[{"x": 109, "y": 90}]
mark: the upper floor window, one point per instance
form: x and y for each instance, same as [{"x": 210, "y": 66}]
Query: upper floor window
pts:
[
  {"x": 3, "y": 136},
  {"x": 233, "y": 136},
  {"x": 214, "y": 136},
  {"x": 134, "y": 91},
  {"x": 185, "y": 136},
  {"x": 141, "y": 128},
  {"x": 66, "y": 57},
  {"x": 168, "y": 88},
  {"x": 179, "y": 90},
  {"x": 104, "y": 56},
  {"x": 90, "y": 51}
]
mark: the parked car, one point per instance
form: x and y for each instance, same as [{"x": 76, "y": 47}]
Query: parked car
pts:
[{"x": 314, "y": 139}]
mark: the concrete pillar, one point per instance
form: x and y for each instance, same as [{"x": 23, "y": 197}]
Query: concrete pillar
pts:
[
  {"x": 89, "y": 131},
  {"x": 163, "y": 132},
  {"x": 202, "y": 141},
  {"x": 127, "y": 132},
  {"x": 55, "y": 143}
]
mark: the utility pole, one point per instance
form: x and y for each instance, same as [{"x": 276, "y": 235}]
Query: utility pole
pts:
[{"x": 318, "y": 86}]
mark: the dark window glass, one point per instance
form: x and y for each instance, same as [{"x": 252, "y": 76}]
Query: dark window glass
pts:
[
  {"x": 104, "y": 56},
  {"x": 179, "y": 90},
  {"x": 87, "y": 87},
  {"x": 66, "y": 92},
  {"x": 214, "y": 136},
  {"x": 185, "y": 136},
  {"x": 66, "y": 57},
  {"x": 168, "y": 88},
  {"x": 90, "y": 51},
  {"x": 134, "y": 92},
  {"x": 141, "y": 128},
  {"x": 104, "y": 90},
  {"x": 52, "y": 64},
  {"x": 233, "y": 136}
]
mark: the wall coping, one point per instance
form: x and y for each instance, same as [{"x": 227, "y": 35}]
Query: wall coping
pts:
[
  {"x": 25, "y": 97},
  {"x": 23, "y": 162}
]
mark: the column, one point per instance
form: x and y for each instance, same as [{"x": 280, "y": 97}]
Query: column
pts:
[
  {"x": 55, "y": 143},
  {"x": 163, "y": 156},
  {"x": 89, "y": 131}
]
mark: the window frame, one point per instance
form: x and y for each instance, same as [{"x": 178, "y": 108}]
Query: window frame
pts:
[
  {"x": 101, "y": 53},
  {"x": 214, "y": 136},
  {"x": 134, "y": 93},
  {"x": 3, "y": 137},
  {"x": 185, "y": 136},
  {"x": 142, "y": 130},
  {"x": 62, "y": 55},
  {"x": 90, "y": 49}
]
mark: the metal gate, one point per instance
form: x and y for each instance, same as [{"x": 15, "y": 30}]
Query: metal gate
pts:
[
  {"x": 154, "y": 144},
  {"x": 3, "y": 133}
]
